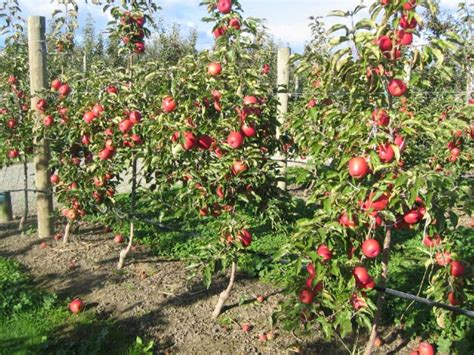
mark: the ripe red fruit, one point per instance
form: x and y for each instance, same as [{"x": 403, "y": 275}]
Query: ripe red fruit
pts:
[
  {"x": 48, "y": 121},
  {"x": 235, "y": 23},
  {"x": 111, "y": 90},
  {"x": 249, "y": 129},
  {"x": 455, "y": 152},
  {"x": 361, "y": 275},
  {"x": 86, "y": 139},
  {"x": 12, "y": 124},
  {"x": 125, "y": 126},
  {"x": 118, "y": 239},
  {"x": 235, "y": 140},
  {"x": 139, "y": 47},
  {"x": 358, "y": 168},
  {"x": 452, "y": 299},
  {"x": 64, "y": 90},
  {"x": 76, "y": 306},
  {"x": 135, "y": 117},
  {"x": 136, "y": 138},
  {"x": 245, "y": 238},
  {"x": 324, "y": 252},
  {"x": 214, "y": 69},
  {"x": 41, "y": 105},
  {"x": 168, "y": 104},
  {"x": 409, "y": 5},
  {"x": 98, "y": 109},
  {"x": 56, "y": 84},
  {"x": 246, "y": 327},
  {"x": 239, "y": 167},
  {"x": 265, "y": 69},
  {"x": 425, "y": 348},
  {"x": 204, "y": 142},
  {"x": 54, "y": 179},
  {"x": 376, "y": 205},
  {"x": 380, "y": 117},
  {"x": 106, "y": 154},
  {"x": 306, "y": 296},
  {"x": 443, "y": 259},
  {"x": 432, "y": 242},
  {"x": 413, "y": 216},
  {"x": 345, "y": 221},
  {"x": 250, "y": 100},
  {"x": 260, "y": 299},
  {"x": 386, "y": 153},
  {"x": 311, "y": 103},
  {"x": 406, "y": 23},
  {"x": 89, "y": 117},
  {"x": 190, "y": 140},
  {"x": 224, "y": 6},
  {"x": 13, "y": 153},
  {"x": 384, "y": 2},
  {"x": 400, "y": 142},
  {"x": 219, "y": 32},
  {"x": 43, "y": 245},
  {"x": 12, "y": 80},
  {"x": 371, "y": 248},
  {"x": 397, "y": 88},
  {"x": 457, "y": 269},
  {"x": 405, "y": 38},
  {"x": 385, "y": 43},
  {"x": 140, "y": 21}
]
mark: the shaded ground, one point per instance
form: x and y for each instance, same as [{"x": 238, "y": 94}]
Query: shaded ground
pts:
[{"x": 156, "y": 299}]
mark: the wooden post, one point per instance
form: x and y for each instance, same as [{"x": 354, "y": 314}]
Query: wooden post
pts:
[
  {"x": 38, "y": 81},
  {"x": 283, "y": 79},
  {"x": 6, "y": 214}
]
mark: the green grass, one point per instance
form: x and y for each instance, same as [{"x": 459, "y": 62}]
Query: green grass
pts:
[{"x": 36, "y": 322}]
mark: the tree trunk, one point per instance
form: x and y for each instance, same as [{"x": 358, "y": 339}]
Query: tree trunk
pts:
[
  {"x": 381, "y": 296},
  {"x": 226, "y": 293},
  {"x": 67, "y": 232},
  {"x": 124, "y": 252}
]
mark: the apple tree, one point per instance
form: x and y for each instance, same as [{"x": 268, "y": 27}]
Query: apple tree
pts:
[{"x": 374, "y": 155}]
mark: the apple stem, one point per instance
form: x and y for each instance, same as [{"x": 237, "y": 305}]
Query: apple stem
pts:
[
  {"x": 67, "y": 232},
  {"x": 224, "y": 295},
  {"x": 381, "y": 296},
  {"x": 124, "y": 252}
]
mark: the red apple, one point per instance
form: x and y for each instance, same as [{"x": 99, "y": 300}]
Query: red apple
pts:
[
  {"x": 397, "y": 87},
  {"x": 235, "y": 140},
  {"x": 86, "y": 139},
  {"x": 11, "y": 124},
  {"x": 405, "y": 38},
  {"x": 168, "y": 104},
  {"x": 409, "y": 4},
  {"x": 204, "y": 142},
  {"x": 249, "y": 129},
  {"x": 400, "y": 142},
  {"x": 41, "y": 105},
  {"x": 118, "y": 239},
  {"x": 452, "y": 299},
  {"x": 380, "y": 117},
  {"x": 190, "y": 140},
  {"x": 135, "y": 117},
  {"x": 358, "y": 168},
  {"x": 112, "y": 90},
  {"x": 425, "y": 348},
  {"x": 98, "y": 109},
  {"x": 89, "y": 117},
  {"x": 106, "y": 154},
  {"x": 371, "y": 248},
  {"x": 245, "y": 238},
  {"x": 250, "y": 100},
  {"x": 54, "y": 179},
  {"x": 306, "y": 296},
  {"x": 361, "y": 275},
  {"x": 125, "y": 125},
  {"x": 13, "y": 153},
  {"x": 324, "y": 252},
  {"x": 76, "y": 306},
  {"x": 385, "y": 43},
  {"x": 235, "y": 23},
  {"x": 64, "y": 90},
  {"x": 406, "y": 23},
  {"x": 443, "y": 259},
  {"x": 224, "y": 6},
  {"x": 56, "y": 84},
  {"x": 345, "y": 221},
  {"x": 214, "y": 69},
  {"x": 239, "y": 167},
  {"x": 457, "y": 269},
  {"x": 385, "y": 152},
  {"x": 48, "y": 121}
]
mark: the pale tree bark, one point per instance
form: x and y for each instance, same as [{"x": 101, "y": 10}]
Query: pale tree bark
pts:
[
  {"x": 124, "y": 252},
  {"x": 224, "y": 295},
  {"x": 381, "y": 296},
  {"x": 67, "y": 232}
]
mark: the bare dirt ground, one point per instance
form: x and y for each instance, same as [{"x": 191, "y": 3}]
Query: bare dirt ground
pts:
[{"x": 157, "y": 300}]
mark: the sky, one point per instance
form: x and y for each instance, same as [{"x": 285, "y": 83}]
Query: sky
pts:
[{"x": 287, "y": 20}]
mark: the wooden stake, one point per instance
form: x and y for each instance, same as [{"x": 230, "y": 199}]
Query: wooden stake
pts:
[
  {"x": 38, "y": 81},
  {"x": 283, "y": 80}
]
